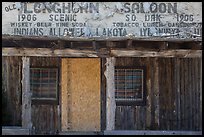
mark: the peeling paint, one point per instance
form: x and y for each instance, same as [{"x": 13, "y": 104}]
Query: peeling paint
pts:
[{"x": 179, "y": 20}]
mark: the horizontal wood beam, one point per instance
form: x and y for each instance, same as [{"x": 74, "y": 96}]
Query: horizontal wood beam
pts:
[
  {"x": 47, "y": 52},
  {"x": 161, "y": 53},
  {"x": 13, "y": 37}
]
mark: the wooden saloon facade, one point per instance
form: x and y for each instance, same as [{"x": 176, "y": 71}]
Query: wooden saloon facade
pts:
[{"x": 102, "y": 68}]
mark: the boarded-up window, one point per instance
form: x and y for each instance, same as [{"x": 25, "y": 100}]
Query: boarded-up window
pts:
[
  {"x": 44, "y": 83},
  {"x": 130, "y": 85}
]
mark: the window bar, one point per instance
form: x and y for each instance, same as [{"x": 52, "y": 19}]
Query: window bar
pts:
[
  {"x": 31, "y": 80},
  {"x": 116, "y": 84},
  {"x": 125, "y": 84},
  {"x": 56, "y": 83},
  {"x": 48, "y": 82},
  {"x": 132, "y": 76},
  {"x": 131, "y": 90},
  {"x": 40, "y": 83},
  {"x": 44, "y": 88},
  {"x": 134, "y": 84}
]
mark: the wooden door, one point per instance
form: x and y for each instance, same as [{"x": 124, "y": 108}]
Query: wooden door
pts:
[
  {"x": 80, "y": 94},
  {"x": 46, "y": 113}
]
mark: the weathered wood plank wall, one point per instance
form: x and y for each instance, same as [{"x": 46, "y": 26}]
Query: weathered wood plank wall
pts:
[
  {"x": 173, "y": 95},
  {"x": 11, "y": 83}
]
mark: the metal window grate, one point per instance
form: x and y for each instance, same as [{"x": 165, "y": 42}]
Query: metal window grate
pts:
[
  {"x": 129, "y": 84},
  {"x": 44, "y": 83}
]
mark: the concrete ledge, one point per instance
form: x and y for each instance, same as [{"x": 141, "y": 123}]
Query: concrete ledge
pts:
[
  {"x": 23, "y": 131},
  {"x": 151, "y": 132},
  {"x": 13, "y": 130},
  {"x": 80, "y": 133}
]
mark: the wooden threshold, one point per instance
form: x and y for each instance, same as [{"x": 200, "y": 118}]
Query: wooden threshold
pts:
[{"x": 151, "y": 132}]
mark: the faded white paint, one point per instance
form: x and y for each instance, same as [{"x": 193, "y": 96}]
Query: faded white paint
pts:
[{"x": 103, "y": 19}]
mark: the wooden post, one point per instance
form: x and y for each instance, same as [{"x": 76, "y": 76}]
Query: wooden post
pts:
[
  {"x": 66, "y": 102},
  {"x": 110, "y": 95},
  {"x": 26, "y": 94},
  {"x": 200, "y": 127}
]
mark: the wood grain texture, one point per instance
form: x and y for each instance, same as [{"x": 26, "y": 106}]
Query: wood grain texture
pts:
[
  {"x": 48, "y": 52},
  {"x": 11, "y": 85},
  {"x": 173, "y": 98}
]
